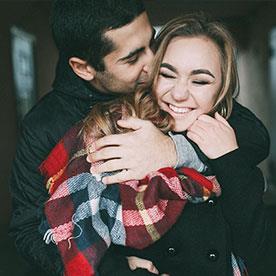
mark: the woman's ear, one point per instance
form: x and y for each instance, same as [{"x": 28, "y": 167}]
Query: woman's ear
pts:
[{"x": 82, "y": 68}]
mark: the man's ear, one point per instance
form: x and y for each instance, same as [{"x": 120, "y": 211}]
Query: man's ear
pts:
[{"x": 82, "y": 68}]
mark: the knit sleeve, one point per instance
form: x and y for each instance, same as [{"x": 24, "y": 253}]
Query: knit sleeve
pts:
[{"x": 186, "y": 154}]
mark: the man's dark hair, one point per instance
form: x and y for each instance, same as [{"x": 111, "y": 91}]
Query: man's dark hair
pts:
[{"x": 78, "y": 26}]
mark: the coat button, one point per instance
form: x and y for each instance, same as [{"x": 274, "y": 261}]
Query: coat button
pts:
[
  {"x": 213, "y": 255},
  {"x": 212, "y": 202},
  {"x": 171, "y": 251}
]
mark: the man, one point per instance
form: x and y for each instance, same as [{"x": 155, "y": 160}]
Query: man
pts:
[{"x": 104, "y": 49}]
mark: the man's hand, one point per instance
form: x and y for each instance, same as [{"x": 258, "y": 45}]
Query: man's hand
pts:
[
  {"x": 214, "y": 136},
  {"x": 136, "y": 153}
]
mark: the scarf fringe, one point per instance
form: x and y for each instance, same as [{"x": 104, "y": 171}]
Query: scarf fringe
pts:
[{"x": 62, "y": 232}]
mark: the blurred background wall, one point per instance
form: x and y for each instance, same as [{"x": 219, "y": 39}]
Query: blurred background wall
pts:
[{"x": 253, "y": 24}]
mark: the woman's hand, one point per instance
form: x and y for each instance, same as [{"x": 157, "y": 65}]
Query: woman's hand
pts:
[
  {"x": 214, "y": 136},
  {"x": 135, "y": 262}
]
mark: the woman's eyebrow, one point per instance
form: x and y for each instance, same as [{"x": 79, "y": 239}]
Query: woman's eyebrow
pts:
[
  {"x": 168, "y": 66},
  {"x": 202, "y": 71}
]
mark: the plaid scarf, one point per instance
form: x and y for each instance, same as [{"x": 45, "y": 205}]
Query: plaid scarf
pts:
[{"x": 84, "y": 216}]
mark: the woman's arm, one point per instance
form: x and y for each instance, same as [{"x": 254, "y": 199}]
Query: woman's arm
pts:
[{"x": 242, "y": 187}]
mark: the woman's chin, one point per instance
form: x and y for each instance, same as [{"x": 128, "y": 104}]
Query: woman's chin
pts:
[{"x": 178, "y": 127}]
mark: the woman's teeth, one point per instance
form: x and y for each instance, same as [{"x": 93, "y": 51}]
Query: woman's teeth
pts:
[{"x": 180, "y": 110}]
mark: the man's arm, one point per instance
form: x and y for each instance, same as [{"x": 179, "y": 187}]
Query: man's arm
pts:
[
  {"x": 141, "y": 151},
  {"x": 28, "y": 197},
  {"x": 252, "y": 135}
]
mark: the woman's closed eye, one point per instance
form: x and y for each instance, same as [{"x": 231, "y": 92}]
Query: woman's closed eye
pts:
[
  {"x": 201, "y": 82},
  {"x": 167, "y": 75}
]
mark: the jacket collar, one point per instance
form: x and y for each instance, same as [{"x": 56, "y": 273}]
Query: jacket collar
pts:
[{"x": 67, "y": 82}]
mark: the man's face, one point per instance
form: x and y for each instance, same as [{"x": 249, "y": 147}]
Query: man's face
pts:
[{"x": 127, "y": 66}]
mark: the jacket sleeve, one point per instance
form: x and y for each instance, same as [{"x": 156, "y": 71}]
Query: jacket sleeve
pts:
[
  {"x": 243, "y": 184},
  {"x": 243, "y": 208},
  {"x": 252, "y": 135},
  {"x": 28, "y": 197}
]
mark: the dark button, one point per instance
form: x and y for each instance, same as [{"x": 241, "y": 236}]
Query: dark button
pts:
[
  {"x": 212, "y": 202},
  {"x": 171, "y": 251},
  {"x": 213, "y": 255}
]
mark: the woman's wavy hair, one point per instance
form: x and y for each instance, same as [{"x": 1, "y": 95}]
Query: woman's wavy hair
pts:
[
  {"x": 103, "y": 117},
  {"x": 201, "y": 25}
]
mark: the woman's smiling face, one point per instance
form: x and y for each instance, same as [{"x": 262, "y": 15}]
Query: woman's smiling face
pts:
[{"x": 189, "y": 79}]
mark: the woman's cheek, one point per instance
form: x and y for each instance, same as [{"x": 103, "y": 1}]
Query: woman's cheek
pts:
[{"x": 163, "y": 87}]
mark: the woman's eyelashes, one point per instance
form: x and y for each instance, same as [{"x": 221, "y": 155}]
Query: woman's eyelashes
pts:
[
  {"x": 198, "y": 82},
  {"x": 201, "y": 82},
  {"x": 194, "y": 79},
  {"x": 167, "y": 75}
]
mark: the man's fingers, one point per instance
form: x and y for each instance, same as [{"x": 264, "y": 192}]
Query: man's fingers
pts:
[
  {"x": 132, "y": 123},
  {"x": 119, "y": 177},
  {"x": 104, "y": 154},
  {"x": 110, "y": 140},
  {"x": 108, "y": 166}
]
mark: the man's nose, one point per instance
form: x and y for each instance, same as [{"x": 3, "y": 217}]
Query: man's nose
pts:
[{"x": 148, "y": 60}]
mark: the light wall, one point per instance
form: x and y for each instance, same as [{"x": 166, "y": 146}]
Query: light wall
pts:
[{"x": 253, "y": 64}]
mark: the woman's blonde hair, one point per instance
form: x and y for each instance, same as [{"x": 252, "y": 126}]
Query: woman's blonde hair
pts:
[
  {"x": 197, "y": 25},
  {"x": 102, "y": 119}
]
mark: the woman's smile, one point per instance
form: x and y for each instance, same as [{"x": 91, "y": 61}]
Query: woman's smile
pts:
[{"x": 179, "y": 110}]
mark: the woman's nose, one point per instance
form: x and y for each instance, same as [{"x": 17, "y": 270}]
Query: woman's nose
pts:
[{"x": 180, "y": 91}]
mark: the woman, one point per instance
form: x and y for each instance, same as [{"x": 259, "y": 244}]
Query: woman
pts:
[
  {"x": 210, "y": 89},
  {"x": 195, "y": 74}
]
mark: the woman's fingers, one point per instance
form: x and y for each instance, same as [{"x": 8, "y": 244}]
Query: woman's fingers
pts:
[{"x": 135, "y": 262}]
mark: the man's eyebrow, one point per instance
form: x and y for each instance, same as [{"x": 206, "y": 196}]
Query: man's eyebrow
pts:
[
  {"x": 202, "y": 71},
  {"x": 131, "y": 54},
  {"x": 137, "y": 51},
  {"x": 168, "y": 66}
]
